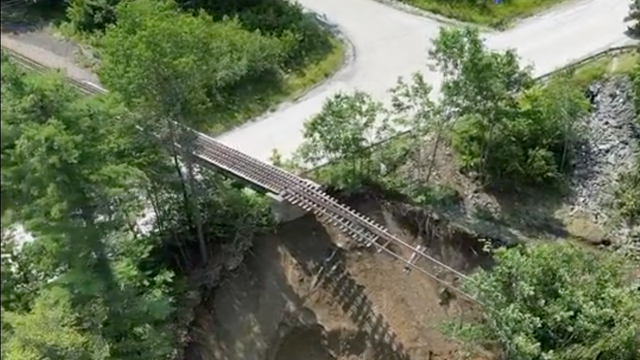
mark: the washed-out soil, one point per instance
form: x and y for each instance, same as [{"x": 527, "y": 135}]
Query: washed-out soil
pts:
[{"x": 308, "y": 292}]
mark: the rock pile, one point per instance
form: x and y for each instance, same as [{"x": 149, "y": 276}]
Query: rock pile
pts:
[{"x": 612, "y": 139}]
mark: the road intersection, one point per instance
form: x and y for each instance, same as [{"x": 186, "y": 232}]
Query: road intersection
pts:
[{"x": 390, "y": 43}]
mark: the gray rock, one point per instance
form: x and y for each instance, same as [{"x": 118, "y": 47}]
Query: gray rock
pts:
[{"x": 611, "y": 141}]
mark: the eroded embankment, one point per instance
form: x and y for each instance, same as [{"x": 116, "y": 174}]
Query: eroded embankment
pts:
[{"x": 299, "y": 296}]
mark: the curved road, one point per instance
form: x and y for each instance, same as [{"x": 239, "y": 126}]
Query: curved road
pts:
[{"x": 390, "y": 43}]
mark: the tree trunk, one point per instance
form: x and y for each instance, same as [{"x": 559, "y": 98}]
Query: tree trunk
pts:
[
  {"x": 434, "y": 153},
  {"x": 176, "y": 163},
  {"x": 197, "y": 212}
]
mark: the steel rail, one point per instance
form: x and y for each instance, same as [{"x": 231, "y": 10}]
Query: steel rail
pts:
[
  {"x": 294, "y": 186},
  {"x": 290, "y": 187},
  {"x": 307, "y": 196}
]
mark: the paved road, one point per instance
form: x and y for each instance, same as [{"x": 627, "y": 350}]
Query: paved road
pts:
[{"x": 389, "y": 43}]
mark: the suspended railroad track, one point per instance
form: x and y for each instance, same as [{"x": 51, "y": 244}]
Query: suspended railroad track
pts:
[{"x": 290, "y": 187}]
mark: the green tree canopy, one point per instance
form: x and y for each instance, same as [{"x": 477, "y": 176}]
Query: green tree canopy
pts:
[
  {"x": 179, "y": 65},
  {"x": 503, "y": 127},
  {"x": 51, "y": 330},
  {"x": 556, "y": 301},
  {"x": 634, "y": 17},
  {"x": 79, "y": 173}
]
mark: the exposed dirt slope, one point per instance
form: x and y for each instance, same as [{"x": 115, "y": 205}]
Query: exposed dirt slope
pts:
[{"x": 293, "y": 300}]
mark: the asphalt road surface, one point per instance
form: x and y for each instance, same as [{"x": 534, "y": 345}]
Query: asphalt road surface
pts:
[{"x": 390, "y": 43}]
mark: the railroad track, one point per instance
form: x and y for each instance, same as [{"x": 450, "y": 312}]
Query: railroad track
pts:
[{"x": 291, "y": 188}]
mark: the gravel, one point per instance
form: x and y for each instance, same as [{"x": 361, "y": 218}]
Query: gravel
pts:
[{"x": 612, "y": 139}]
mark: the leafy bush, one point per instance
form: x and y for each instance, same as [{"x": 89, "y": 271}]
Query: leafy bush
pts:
[
  {"x": 634, "y": 17},
  {"x": 234, "y": 71},
  {"x": 79, "y": 175},
  {"x": 344, "y": 132},
  {"x": 627, "y": 194},
  {"x": 555, "y": 301},
  {"x": 91, "y": 15},
  {"x": 508, "y": 130},
  {"x": 305, "y": 40}
]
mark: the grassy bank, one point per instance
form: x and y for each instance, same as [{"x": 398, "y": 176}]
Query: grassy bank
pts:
[
  {"x": 268, "y": 94},
  {"x": 309, "y": 55},
  {"x": 488, "y": 14},
  {"x": 250, "y": 100},
  {"x": 618, "y": 64}
]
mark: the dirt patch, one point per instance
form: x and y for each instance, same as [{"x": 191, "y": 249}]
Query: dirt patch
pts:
[
  {"x": 580, "y": 209},
  {"x": 303, "y": 343},
  {"x": 300, "y": 296},
  {"x": 315, "y": 343}
]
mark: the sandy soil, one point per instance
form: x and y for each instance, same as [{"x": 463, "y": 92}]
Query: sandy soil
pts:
[{"x": 293, "y": 300}]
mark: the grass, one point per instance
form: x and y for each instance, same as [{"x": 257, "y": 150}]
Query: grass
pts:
[
  {"x": 488, "y": 14},
  {"x": 265, "y": 94},
  {"x": 528, "y": 214},
  {"x": 619, "y": 64},
  {"x": 250, "y": 99}
]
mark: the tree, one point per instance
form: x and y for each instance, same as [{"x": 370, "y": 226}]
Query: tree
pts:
[
  {"x": 69, "y": 184},
  {"x": 345, "y": 131},
  {"x": 634, "y": 15},
  {"x": 177, "y": 64},
  {"x": 79, "y": 173},
  {"x": 50, "y": 331},
  {"x": 414, "y": 109},
  {"x": 175, "y": 67},
  {"x": 503, "y": 127},
  {"x": 92, "y": 15},
  {"x": 555, "y": 301}
]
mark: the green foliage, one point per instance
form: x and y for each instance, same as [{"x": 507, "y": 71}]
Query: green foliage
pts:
[
  {"x": 504, "y": 128},
  {"x": 484, "y": 12},
  {"x": 344, "y": 132},
  {"x": 79, "y": 173},
  {"x": 67, "y": 185},
  {"x": 251, "y": 54},
  {"x": 51, "y": 331},
  {"x": 627, "y": 194},
  {"x": 304, "y": 40},
  {"x": 555, "y": 301},
  {"x": 499, "y": 123},
  {"x": 188, "y": 60},
  {"x": 634, "y": 17},
  {"x": 91, "y": 15},
  {"x": 287, "y": 21},
  {"x": 432, "y": 196},
  {"x": 219, "y": 70}
]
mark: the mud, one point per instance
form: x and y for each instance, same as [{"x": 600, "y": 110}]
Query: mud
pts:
[{"x": 299, "y": 296}]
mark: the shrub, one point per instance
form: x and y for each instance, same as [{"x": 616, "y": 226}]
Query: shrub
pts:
[{"x": 555, "y": 301}]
